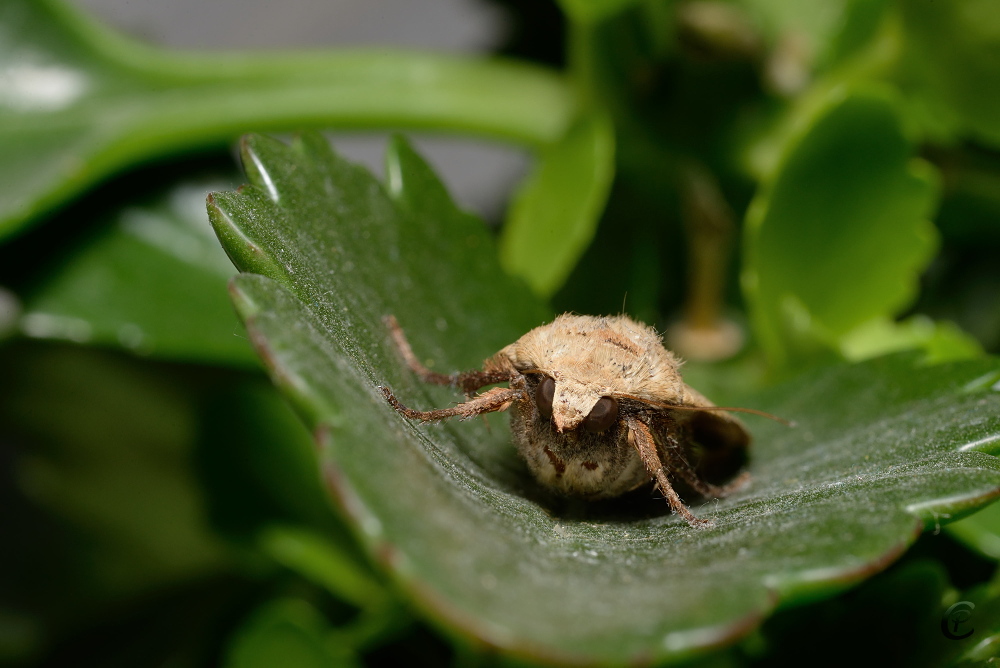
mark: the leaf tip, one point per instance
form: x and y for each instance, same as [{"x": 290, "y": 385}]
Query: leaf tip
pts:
[
  {"x": 394, "y": 157},
  {"x": 408, "y": 177},
  {"x": 251, "y": 147}
]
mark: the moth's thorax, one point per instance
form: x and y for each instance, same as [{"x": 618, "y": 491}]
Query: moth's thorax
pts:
[{"x": 590, "y": 357}]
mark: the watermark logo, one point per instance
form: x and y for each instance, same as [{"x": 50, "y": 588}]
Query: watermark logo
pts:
[{"x": 956, "y": 619}]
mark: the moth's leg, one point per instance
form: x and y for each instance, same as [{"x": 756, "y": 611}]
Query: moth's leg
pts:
[
  {"x": 399, "y": 338},
  {"x": 642, "y": 440},
  {"x": 667, "y": 428},
  {"x": 468, "y": 381},
  {"x": 497, "y": 399}
]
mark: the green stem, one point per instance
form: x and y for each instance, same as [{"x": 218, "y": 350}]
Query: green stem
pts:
[
  {"x": 368, "y": 88},
  {"x": 146, "y": 103},
  {"x": 376, "y": 90},
  {"x": 582, "y": 58}
]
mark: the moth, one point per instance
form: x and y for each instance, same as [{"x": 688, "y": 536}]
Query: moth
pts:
[{"x": 598, "y": 408}]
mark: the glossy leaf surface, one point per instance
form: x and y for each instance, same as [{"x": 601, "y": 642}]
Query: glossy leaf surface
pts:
[{"x": 882, "y": 449}]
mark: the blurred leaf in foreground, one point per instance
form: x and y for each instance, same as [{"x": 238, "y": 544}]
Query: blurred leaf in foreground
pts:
[
  {"x": 150, "y": 283},
  {"x": 287, "y": 632},
  {"x": 555, "y": 213},
  {"x": 107, "y": 448}
]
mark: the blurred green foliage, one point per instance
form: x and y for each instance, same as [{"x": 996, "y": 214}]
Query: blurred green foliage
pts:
[{"x": 162, "y": 503}]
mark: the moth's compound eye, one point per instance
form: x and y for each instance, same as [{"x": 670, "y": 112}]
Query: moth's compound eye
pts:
[
  {"x": 544, "y": 393},
  {"x": 602, "y": 415}
]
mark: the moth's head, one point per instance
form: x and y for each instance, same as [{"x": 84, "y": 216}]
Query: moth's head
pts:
[{"x": 571, "y": 404}]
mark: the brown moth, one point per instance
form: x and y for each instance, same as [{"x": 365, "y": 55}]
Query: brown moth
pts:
[{"x": 598, "y": 408}]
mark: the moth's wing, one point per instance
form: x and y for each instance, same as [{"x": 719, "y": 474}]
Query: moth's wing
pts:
[{"x": 719, "y": 439}]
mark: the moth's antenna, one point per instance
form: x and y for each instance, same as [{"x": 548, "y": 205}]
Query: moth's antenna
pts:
[
  {"x": 624, "y": 297},
  {"x": 734, "y": 409},
  {"x": 731, "y": 409}
]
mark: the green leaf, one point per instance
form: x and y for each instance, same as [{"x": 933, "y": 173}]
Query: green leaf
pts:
[
  {"x": 10, "y": 312},
  {"x": 882, "y": 449},
  {"x": 906, "y": 608},
  {"x": 287, "y": 632},
  {"x": 973, "y": 616},
  {"x": 803, "y": 41},
  {"x": 112, "y": 440},
  {"x": 980, "y": 532},
  {"x": 152, "y": 282},
  {"x": 262, "y": 486},
  {"x": 950, "y": 66},
  {"x": 323, "y": 561},
  {"x": 78, "y": 103},
  {"x": 858, "y": 27},
  {"x": 838, "y": 233},
  {"x": 904, "y": 604},
  {"x": 940, "y": 341},
  {"x": 555, "y": 213},
  {"x": 257, "y": 465},
  {"x": 776, "y": 20}
]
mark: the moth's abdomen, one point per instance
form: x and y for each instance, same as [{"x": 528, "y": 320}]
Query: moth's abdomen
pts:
[
  {"x": 579, "y": 464},
  {"x": 588, "y": 478}
]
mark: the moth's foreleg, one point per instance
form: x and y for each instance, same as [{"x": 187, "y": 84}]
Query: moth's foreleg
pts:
[
  {"x": 497, "y": 399},
  {"x": 468, "y": 381},
  {"x": 641, "y": 438}
]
